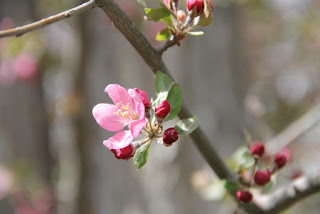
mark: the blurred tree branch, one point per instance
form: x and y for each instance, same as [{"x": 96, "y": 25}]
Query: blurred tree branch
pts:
[
  {"x": 19, "y": 31},
  {"x": 295, "y": 130},
  {"x": 285, "y": 197}
]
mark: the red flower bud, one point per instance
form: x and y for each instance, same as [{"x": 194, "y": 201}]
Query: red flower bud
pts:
[
  {"x": 124, "y": 153},
  {"x": 244, "y": 196},
  {"x": 257, "y": 149},
  {"x": 170, "y": 136},
  {"x": 262, "y": 177},
  {"x": 144, "y": 97},
  {"x": 280, "y": 160},
  {"x": 199, "y": 4},
  {"x": 163, "y": 109}
]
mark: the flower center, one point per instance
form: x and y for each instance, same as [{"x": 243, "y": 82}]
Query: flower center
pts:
[{"x": 126, "y": 112}]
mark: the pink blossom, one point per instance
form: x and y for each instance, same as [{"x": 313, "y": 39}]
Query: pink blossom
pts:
[
  {"x": 6, "y": 181},
  {"x": 128, "y": 109},
  {"x": 25, "y": 66}
]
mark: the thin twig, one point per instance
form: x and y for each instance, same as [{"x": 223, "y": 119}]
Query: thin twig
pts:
[
  {"x": 19, "y": 31},
  {"x": 295, "y": 130},
  {"x": 169, "y": 43}
]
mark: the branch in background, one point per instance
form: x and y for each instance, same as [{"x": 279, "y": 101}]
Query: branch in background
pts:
[
  {"x": 19, "y": 31},
  {"x": 295, "y": 130},
  {"x": 287, "y": 196}
]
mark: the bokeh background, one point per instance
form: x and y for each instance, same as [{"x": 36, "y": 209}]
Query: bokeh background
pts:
[{"x": 256, "y": 68}]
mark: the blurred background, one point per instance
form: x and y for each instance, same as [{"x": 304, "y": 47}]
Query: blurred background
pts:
[{"x": 255, "y": 69}]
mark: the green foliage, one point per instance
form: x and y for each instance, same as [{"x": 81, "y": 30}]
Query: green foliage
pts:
[
  {"x": 207, "y": 16},
  {"x": 195, "y": 33},
  {"x": 141, "y": 156},
  {"x": 159, "y": 14},
  {"x": 170, "y": 91},
  {"x": 163, "y": 34},
  {"x": 230, "y": 186},
  {"x": 175, "y": 99},
  {"x": 241, "y": 159},
  {"x": 186, "y": 126}
]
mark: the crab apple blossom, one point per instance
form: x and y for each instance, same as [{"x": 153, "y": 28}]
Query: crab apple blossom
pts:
[
  {"x": 170, "y": 136},
  {"x": 280, "y": 160},
  {"x": 262, "y": 177},
  {"x": 244, "y": 196},
  {"x": 128, "y": 109},
  {"x": 163, "y": 109},
  {"x": 181, "y": 15},
  {"x": 198, "y": 4},
  {"x": 124, "y": 153},
  {"x": 257, "y": 149}
]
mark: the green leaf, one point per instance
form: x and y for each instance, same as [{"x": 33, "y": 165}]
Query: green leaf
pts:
[
  {"x": 163, "y": 34},
  {"x": 175, "y": 99},
  {"x": 230, "y": 186},
  {"x": 159, "y": 14},
  {"x": 207, "y": 16},
  {"x": 241, "y": 159},
  {"x": 163, "y": 82},
  {"x": 195, "y": 33},
  {"x": 163, "y": 85},
  {"x": 186, "y": 126},
  {"x": 141, "y": 156}
]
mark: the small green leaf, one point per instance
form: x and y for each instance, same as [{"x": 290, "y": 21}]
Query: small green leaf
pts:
[
  {"x": 230, "y": 186},
  {"x": 207, "y": 16},
  {"x": 163, "y": 34},
  {"x": 195, "y": 33},
  {"x": 141, "y": 156},
  {"x": 175, "y": 99},
  {"x": 163, "y": 85},
  {"x": 163, "y": 82},
  {"x": 186, "y": 126},
  {"x": 241, "y": 159},
  {"x": 159, "y": 14}
]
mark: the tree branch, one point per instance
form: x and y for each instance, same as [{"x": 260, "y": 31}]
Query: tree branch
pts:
[
  {"x": 289, "y": 195},
  {"x": 153, "y": 58},
  {"x": 295, "y": 130},
  {"x": 19, "y": 31}
]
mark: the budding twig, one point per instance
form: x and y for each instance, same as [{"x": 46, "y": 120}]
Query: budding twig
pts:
[{"x": 19, "y": 31}]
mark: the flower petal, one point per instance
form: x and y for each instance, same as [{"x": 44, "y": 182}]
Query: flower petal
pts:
[
  {"x": 118, "y": 141},
  {"x": 136, "y": 126},
  {"x": 118, "y": 94},
  {"x": 138, "y": 104},
  {"x": 105, "y": 116}
]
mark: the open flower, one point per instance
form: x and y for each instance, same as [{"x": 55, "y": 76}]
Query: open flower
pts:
[{"x": 128, "y": 109}]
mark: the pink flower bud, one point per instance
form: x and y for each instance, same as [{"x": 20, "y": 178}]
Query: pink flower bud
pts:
[
  {"x": 199, "y": 4},
  {"x": 257, "y": 149},
  {"x": 244, "y": 196},
  {"x": 144, "y": 97},
  {"x": 170, "y": 136},
  {"x": 181, "y": 15},
  {"x": 262, "y": 177},
  {"x": 280, "y": 160},
  {"x": 124, "y": 153},
  {"x": 163, "y": 109}
]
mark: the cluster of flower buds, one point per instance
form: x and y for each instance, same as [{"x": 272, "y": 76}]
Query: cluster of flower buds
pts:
[
  {"x": 185, "y": 22},
  {"x": 259, "y": 177}
]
